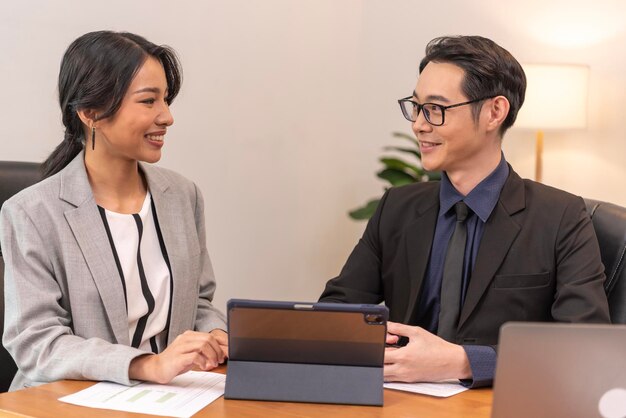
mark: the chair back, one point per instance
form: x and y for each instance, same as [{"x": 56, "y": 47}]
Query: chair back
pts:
[
  {"x": 14, "y": 176},
  {"x": 609, "y": 222}
]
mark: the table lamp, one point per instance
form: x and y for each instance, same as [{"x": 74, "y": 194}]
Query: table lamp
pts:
[{"x": 556, "y": 98}]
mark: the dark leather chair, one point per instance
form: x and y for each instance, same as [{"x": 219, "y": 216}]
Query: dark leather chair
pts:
[
  {"x": 609, "y": 222},
  {"x": 14, "y": 176}
]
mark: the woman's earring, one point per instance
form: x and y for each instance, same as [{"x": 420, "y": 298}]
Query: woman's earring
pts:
[{"x": 93, "y": 138}]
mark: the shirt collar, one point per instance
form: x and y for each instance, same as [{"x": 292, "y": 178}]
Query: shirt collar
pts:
[{"x": 482, "y": 199}]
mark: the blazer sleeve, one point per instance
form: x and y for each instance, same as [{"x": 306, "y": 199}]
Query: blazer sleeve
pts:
[
  {"x": 580, "y": 295},
  {"x": 38, "y": 329},
  {"x": 360, "y": 279},
  {"x": 208, "y": 317}
]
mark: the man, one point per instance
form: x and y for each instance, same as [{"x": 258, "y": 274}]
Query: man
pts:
[{"x": 456, "y": 259}]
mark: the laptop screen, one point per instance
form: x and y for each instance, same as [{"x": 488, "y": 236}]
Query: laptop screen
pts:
[{"x": 560, "y": 370}]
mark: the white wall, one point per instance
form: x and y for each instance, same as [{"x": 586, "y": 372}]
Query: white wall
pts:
[{"x": 286, "y": 105}]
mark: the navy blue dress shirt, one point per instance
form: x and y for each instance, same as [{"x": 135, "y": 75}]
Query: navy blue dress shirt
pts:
[{"x": 481, "y": 202}]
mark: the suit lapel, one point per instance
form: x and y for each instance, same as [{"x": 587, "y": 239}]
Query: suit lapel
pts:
[
  {"x": 419, "y": 235},
  {"x": 500, "y": 232},
  {"x": 167, "y": 203},
  {"x": 86, "y": 225}
]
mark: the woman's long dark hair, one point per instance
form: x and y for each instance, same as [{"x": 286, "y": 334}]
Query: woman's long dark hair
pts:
[{"x": 96, "y": 71}]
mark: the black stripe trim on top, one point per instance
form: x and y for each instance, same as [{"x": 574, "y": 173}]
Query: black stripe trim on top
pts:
[
  {"x": 115, "y": 256},
  {"x": 153, "y": 345},
  {"x": 141, "y": 324},
  {"x": 169, "y": 268}
]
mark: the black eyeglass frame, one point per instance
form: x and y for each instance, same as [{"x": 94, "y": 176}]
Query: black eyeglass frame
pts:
[{"x": 420, "y": 108}]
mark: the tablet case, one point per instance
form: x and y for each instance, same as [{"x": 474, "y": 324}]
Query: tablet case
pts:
[{"x": 303, "y": 352}]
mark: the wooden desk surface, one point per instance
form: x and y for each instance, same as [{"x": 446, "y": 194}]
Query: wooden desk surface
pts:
[{"x": 42, "y": 402}]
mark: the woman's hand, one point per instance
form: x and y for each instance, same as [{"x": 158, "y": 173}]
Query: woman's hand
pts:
[
  {"x": 222, "y": 339},
  {"x": 189, "y": 350}
]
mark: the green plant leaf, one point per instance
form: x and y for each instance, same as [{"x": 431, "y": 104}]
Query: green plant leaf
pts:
[
  {"x": 366, "y": 211},
  {"x": 411, "y": 151},
  {"x": 405, "y": 136},
  {"x": 398, "y": 164},
  {"x": 433, "y": 175},
  {"x": 396, "y": 177},
  {"x": 398, "y": 172}
]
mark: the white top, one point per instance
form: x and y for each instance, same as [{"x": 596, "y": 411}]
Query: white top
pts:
[{"x": 144, "y": 273}]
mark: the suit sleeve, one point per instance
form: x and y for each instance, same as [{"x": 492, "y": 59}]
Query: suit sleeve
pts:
[
  {"x": 208, "y": 317},
  {"x": 360, "y": 278},
  {"x": 38, "y": 329},
  {"x": 580, "y": 295},
  {"x": 482, "y": 360}
]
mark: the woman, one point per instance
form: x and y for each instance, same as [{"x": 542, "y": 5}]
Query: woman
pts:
[{"x": 107, "y": 271}]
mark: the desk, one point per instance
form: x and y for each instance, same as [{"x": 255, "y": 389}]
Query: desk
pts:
[{"x": 41, "y": 402}]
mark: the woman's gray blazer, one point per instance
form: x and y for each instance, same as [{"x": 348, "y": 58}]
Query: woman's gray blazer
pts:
[{"x": 65, "y": 311}]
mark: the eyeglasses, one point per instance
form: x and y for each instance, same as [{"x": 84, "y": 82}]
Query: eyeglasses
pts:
[{"x": 434, "y": 113}]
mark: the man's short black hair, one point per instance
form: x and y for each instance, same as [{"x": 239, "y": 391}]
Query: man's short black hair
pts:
[{"x": 490, "y": 70}]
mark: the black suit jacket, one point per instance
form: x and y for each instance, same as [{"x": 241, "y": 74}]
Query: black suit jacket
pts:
[{"x": 538, "y": 260}]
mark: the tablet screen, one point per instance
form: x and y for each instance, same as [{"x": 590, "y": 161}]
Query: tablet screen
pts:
[{"x": 307, "y": 336}]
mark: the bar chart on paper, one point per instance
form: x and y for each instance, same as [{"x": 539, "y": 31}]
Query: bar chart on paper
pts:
[{"x": 182, "y": 397}]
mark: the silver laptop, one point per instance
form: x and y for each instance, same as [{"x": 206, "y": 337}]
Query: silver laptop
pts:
[{"x": 560, "y": 370}]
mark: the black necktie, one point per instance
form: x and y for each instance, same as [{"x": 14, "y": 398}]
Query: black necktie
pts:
[{"x": 453, "y": 277}]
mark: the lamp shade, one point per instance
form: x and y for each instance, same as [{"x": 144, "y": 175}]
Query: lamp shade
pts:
[{"x": 556, "y": 97}]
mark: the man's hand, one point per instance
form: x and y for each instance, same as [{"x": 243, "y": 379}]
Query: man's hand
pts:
[
  {"x": 192, "y": 349},
  {"x": 425, "y": 358}
]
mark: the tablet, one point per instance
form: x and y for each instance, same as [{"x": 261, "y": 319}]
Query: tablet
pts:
[{"x": 310, "y": 333}]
